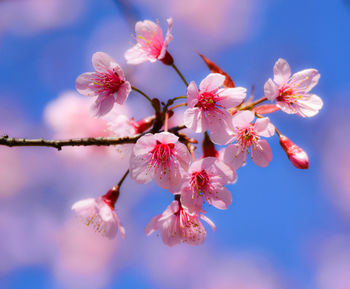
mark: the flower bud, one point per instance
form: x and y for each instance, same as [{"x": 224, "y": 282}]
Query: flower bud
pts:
[
  {"x": 143, "y": 124},
  {"x": 297, "y": 156},
  {"x": 208, "y": 147},
  {"x": 111, "y": 197}
]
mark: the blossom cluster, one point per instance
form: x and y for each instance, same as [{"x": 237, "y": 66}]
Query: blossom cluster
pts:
[{"x": 215, "y": 108}]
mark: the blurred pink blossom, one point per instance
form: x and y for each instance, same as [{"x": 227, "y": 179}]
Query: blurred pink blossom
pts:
[
  {"x": 69, "y": 117},
  {"x": 33, "y": 16},
  {"x": 82, "y": 258},
  {"x": 151, "y": 46}
]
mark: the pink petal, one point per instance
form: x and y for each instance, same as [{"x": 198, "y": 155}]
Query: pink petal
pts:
[
  {"x": 136, "y": 55},
  {"x": 153, "y": 225},
  {"x": 123, "y": 93},
  {"x": 146, "y": 29},
  {"x": 166, "y": 137},
  {"x": 195, "y": 120},
  {"x": 221, "y": 198},
  {"x": 286, "y": 107},
  {"x": 212, "y": 82},
  {"x": 281, "y": 71},
  {"x": 170, "y": 210},
  {"x": 168, "y": 38},
  {"x": 192, "y": 94},
  {"x": 233, "y": 96},
  {"x": 309, "y": 107},
  {"x": 167, "y": 179},
  {"x": 270, "y": 90},
  {"x": 102, "y": 105},
  {"x": 145, "y": 144},
  {"x": 170, "y": 232},
  {"x": 234, "y": 156},
  {"x": 264, "y": 127},
  {"x": 140, "y": 170},
  {"x": 102, "y": 62},
  {"x": 83, "y": 83},
  {"x": 192, "y": 202},
  {"x": 222, "y": 136},
  {"x": 262, "y": 154},
  {"x": 182, "y": 155},
  {"x": 243, "y": 118},
  {"x": 305, "y": 80},
  {"x": 210, "y": 222}
]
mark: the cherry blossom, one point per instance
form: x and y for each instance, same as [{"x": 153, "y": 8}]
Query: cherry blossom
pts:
[
  {"x": 177, "y": 225},
  {"x": 248, "y": 139},
  {"x": 100, "y": 215},
  {"x": 150, "y": 43},
  {"x": 161, "y": 156},
  {"x": 292, "y": 92},
  {"x": 107, "y": 83},
  {"x": 207, "y": 106},
  {"x": 205, "y": 181}
]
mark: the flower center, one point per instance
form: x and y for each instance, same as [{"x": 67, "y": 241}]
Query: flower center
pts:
[
  {"x": 208, "y": 101},
  {"x": 152, "y": 43},
  {"x": 161, "y": 156},
  {"x": 199, "y": 181},
  {"x": 247, "y": 136},
  {"x": 288, "y": 94},
  {"x": 107, "y": 82}
]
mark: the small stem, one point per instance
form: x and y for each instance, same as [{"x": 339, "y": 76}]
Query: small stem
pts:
[
  {"x": 193, "y": 156},
  {"x": 123, "y": 178},
  {"x": 180, "y": 74},
  {"x": 176, "y": 106},
  {"x": 278, "y": 132},
  {"x": 253, "y": 104},
  {"x": 142, "y": 93},
  {"x": 166, "y": 122},
  {"x": 180, "y": 97}
]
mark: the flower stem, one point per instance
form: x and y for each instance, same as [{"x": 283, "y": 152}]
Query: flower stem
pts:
[
  {"x": 180, "y": 74},
  {"x": 176, "y": 106},
  {"x": 142, "y": 93},
  {"x": 123, "y": 178},
  {"x": 253, "y": 104},
  {"x": 166, "y": 120}
]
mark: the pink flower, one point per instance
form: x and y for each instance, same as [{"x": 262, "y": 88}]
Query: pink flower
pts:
[
  {"x": 248, "y": 138},
  {"x": 207, "y": 106},
  {"x": 107, "y": 83},
  {"x": 176, "y": 225},
  {"x": 161, "y": 156},
  {"x": 292, "y": 92},
  {"x": 150, "y": 44},
  {"x": 206, "y": 181},
  {"x": 100, "y": 215}
]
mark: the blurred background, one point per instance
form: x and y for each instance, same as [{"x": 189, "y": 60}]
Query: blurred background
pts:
[{"x": 286, "y": 228}]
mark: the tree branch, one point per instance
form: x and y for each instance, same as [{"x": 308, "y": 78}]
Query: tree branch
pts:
[{"x": 58, "y": 144}]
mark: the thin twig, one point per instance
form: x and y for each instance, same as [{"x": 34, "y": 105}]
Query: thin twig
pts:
[
  {"x": 180, "y": 74},
  {"x": 58, "y": 144}
]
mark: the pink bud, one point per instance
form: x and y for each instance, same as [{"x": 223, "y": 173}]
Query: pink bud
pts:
[
  {"x": 144, "y": 124},
  {"x": 297, "y": 156},
  {"x": 208, "y": 146}
]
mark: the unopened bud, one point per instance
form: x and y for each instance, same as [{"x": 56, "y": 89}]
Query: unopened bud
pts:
[
  {"x": 208, "y": 147},
  {"x": 297, "y": 156},
  {"x": 111, "y": 197},
  {"x": 167, "y": 59},
  {"x": 144, "y": 124}
]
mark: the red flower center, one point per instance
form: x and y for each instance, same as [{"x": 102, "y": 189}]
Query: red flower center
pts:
[{"x": 107, "y": 82}]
